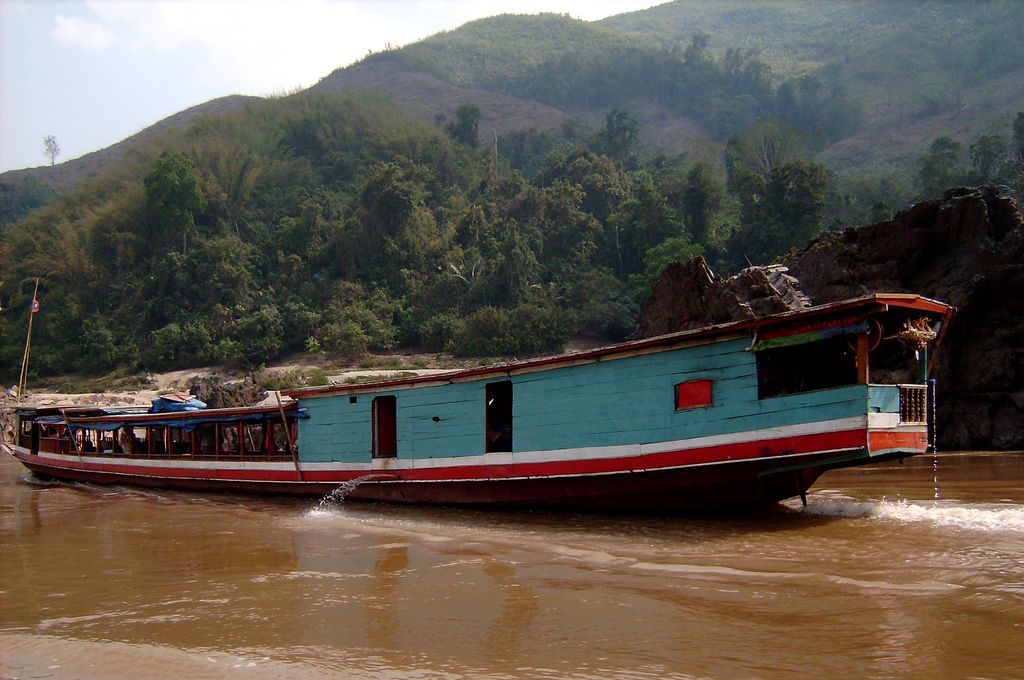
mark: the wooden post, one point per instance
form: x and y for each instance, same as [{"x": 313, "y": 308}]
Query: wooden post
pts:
[
  {"x": 71, "y": 435},
  {"x": 288, "y": 434},
  {"x": 23, "y": 378},
  {"x": 862, "y": 359}
]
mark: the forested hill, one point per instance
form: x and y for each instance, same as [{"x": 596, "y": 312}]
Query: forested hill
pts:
[
  {"x": 846, "y": 73},
  {"x": 497, "y": 189}
]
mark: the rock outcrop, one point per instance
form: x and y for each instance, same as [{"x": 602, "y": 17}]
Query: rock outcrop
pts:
[
  {"x": 218, "y": 393},
  {"x": 966, "y": 249},
  {"x": 689, "y": 295}
]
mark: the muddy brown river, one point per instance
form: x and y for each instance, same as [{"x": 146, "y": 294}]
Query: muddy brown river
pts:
[{"x": 876, "y": 578}]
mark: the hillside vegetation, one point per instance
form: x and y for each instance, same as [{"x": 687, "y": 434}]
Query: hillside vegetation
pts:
[{"x": 340, "y": 220}]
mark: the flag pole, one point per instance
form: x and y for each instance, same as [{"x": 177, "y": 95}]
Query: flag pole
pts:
[{"x": 23, "y": 378}]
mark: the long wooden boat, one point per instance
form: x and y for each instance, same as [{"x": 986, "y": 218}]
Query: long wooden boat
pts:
[{"x": 728, "y": 416}]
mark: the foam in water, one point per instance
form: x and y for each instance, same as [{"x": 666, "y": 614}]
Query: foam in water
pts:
[
  {"x": 345, "y": 488},
  {"x": 957, "y": 515}
]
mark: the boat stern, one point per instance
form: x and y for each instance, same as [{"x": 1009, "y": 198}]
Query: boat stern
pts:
[{"x": 900, "y": 420}]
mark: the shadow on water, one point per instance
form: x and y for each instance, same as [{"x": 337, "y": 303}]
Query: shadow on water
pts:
[{"x": 771, "y": 518}]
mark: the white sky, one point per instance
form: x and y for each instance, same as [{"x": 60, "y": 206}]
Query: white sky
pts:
[{"x": 92, "y": 72}]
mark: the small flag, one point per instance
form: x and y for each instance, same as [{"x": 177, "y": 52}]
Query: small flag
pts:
[{"x": 35, "y": 305}]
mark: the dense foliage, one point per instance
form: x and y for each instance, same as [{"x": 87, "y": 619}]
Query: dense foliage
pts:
[{"x": 322, "y": 224}]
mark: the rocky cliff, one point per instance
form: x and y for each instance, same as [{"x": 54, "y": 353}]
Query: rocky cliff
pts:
[{"x": 966, "y": 249}]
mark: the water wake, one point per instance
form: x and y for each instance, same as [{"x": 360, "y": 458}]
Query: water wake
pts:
[
  {"x": 958, "y": 515},
  {"x": 337, "y": 496}
]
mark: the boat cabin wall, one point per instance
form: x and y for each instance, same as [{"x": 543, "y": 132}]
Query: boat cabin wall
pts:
[{"x": 697, "y": 391}]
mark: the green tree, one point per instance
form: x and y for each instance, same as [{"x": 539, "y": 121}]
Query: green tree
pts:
[
  {"x": 51, "y": 149},
  {"x": 603, "y": 305},
  {"x": 675, "y": 249},
  {"x": 483, "y": 333},
  {"x": 259, "y": 334},
  {"x": 988, "y": 159},
  {"x": 515, "y": 267},
  {"x": 939, "y": 169},
  {"x": 751, "y": 155},
  {"x": 1018, "y": 139},
  {"x": 696, "y": 54},
  {"x": 642, "y": 222},
  {"x": 1016, "y": 165},
  {"x": 778, "y": 212},
  {"x": 620, "y": 137},
  {"x": 465, "y": 128},
  {"x": 398, "y": 229},
  {"x": 173, "y": 199},
  {"x": 18, "y": 199},
  {"x": 604, "y": 183},
  {"x": 702, "y": 197}
]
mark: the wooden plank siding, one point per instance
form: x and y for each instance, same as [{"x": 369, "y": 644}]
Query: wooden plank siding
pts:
[
  {"x": 884, "y": 398},
  {"x": 604, "y": 403}
]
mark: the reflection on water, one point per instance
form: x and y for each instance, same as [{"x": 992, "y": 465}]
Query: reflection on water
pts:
[{"x": 875, "y": 578}]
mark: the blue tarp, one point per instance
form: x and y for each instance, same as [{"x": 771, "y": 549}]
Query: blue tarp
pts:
[
  {"x": 50, "y": 420},
  {"x": 176, "y": 405},
  {"x": 189, "y": 424}
]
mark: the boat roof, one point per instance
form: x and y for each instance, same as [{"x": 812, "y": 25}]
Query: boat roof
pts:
[
  {"x": 141, "y": 415},
  {"x": 860, "y": 306}
]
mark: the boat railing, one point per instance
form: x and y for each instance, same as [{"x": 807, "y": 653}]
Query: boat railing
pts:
[
  {"x": 265, "y": 440},
  {"x": 161, "y": 451},
  {"x": 54, "y": 444},
  {"x": 913, "y": 403}
]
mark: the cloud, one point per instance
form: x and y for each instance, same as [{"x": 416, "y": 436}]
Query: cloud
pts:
[
  {"x": 87, "y": 35},
  {"x": 12, "y": 8}
]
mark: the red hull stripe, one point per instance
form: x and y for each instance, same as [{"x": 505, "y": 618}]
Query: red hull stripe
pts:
[{"x": 786, "y": 446}]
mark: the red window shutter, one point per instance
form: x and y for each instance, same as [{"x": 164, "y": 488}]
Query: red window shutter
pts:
[{"x": 693, "y": 394}]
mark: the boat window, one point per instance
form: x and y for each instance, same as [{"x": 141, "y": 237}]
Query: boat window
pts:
[
  {"x": 229, "y": 439},
  {"x": 803, "y": 368},
  {"x": 181, "y": 444},
  {"x": 140, "y": 441},
  {"x": 280, "y": 439},
  {"x": 87, "y": 441},
  {"x": 122, "y": 440},
  {"x": 385, "y": 427},
  {"x": 252, "y": 434},
  {"x": 157, "y": 441},
  {"x": 499, "y": 416},
  {"x": 206, "y": 439},
  {"x": 106, "y": 444}
]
